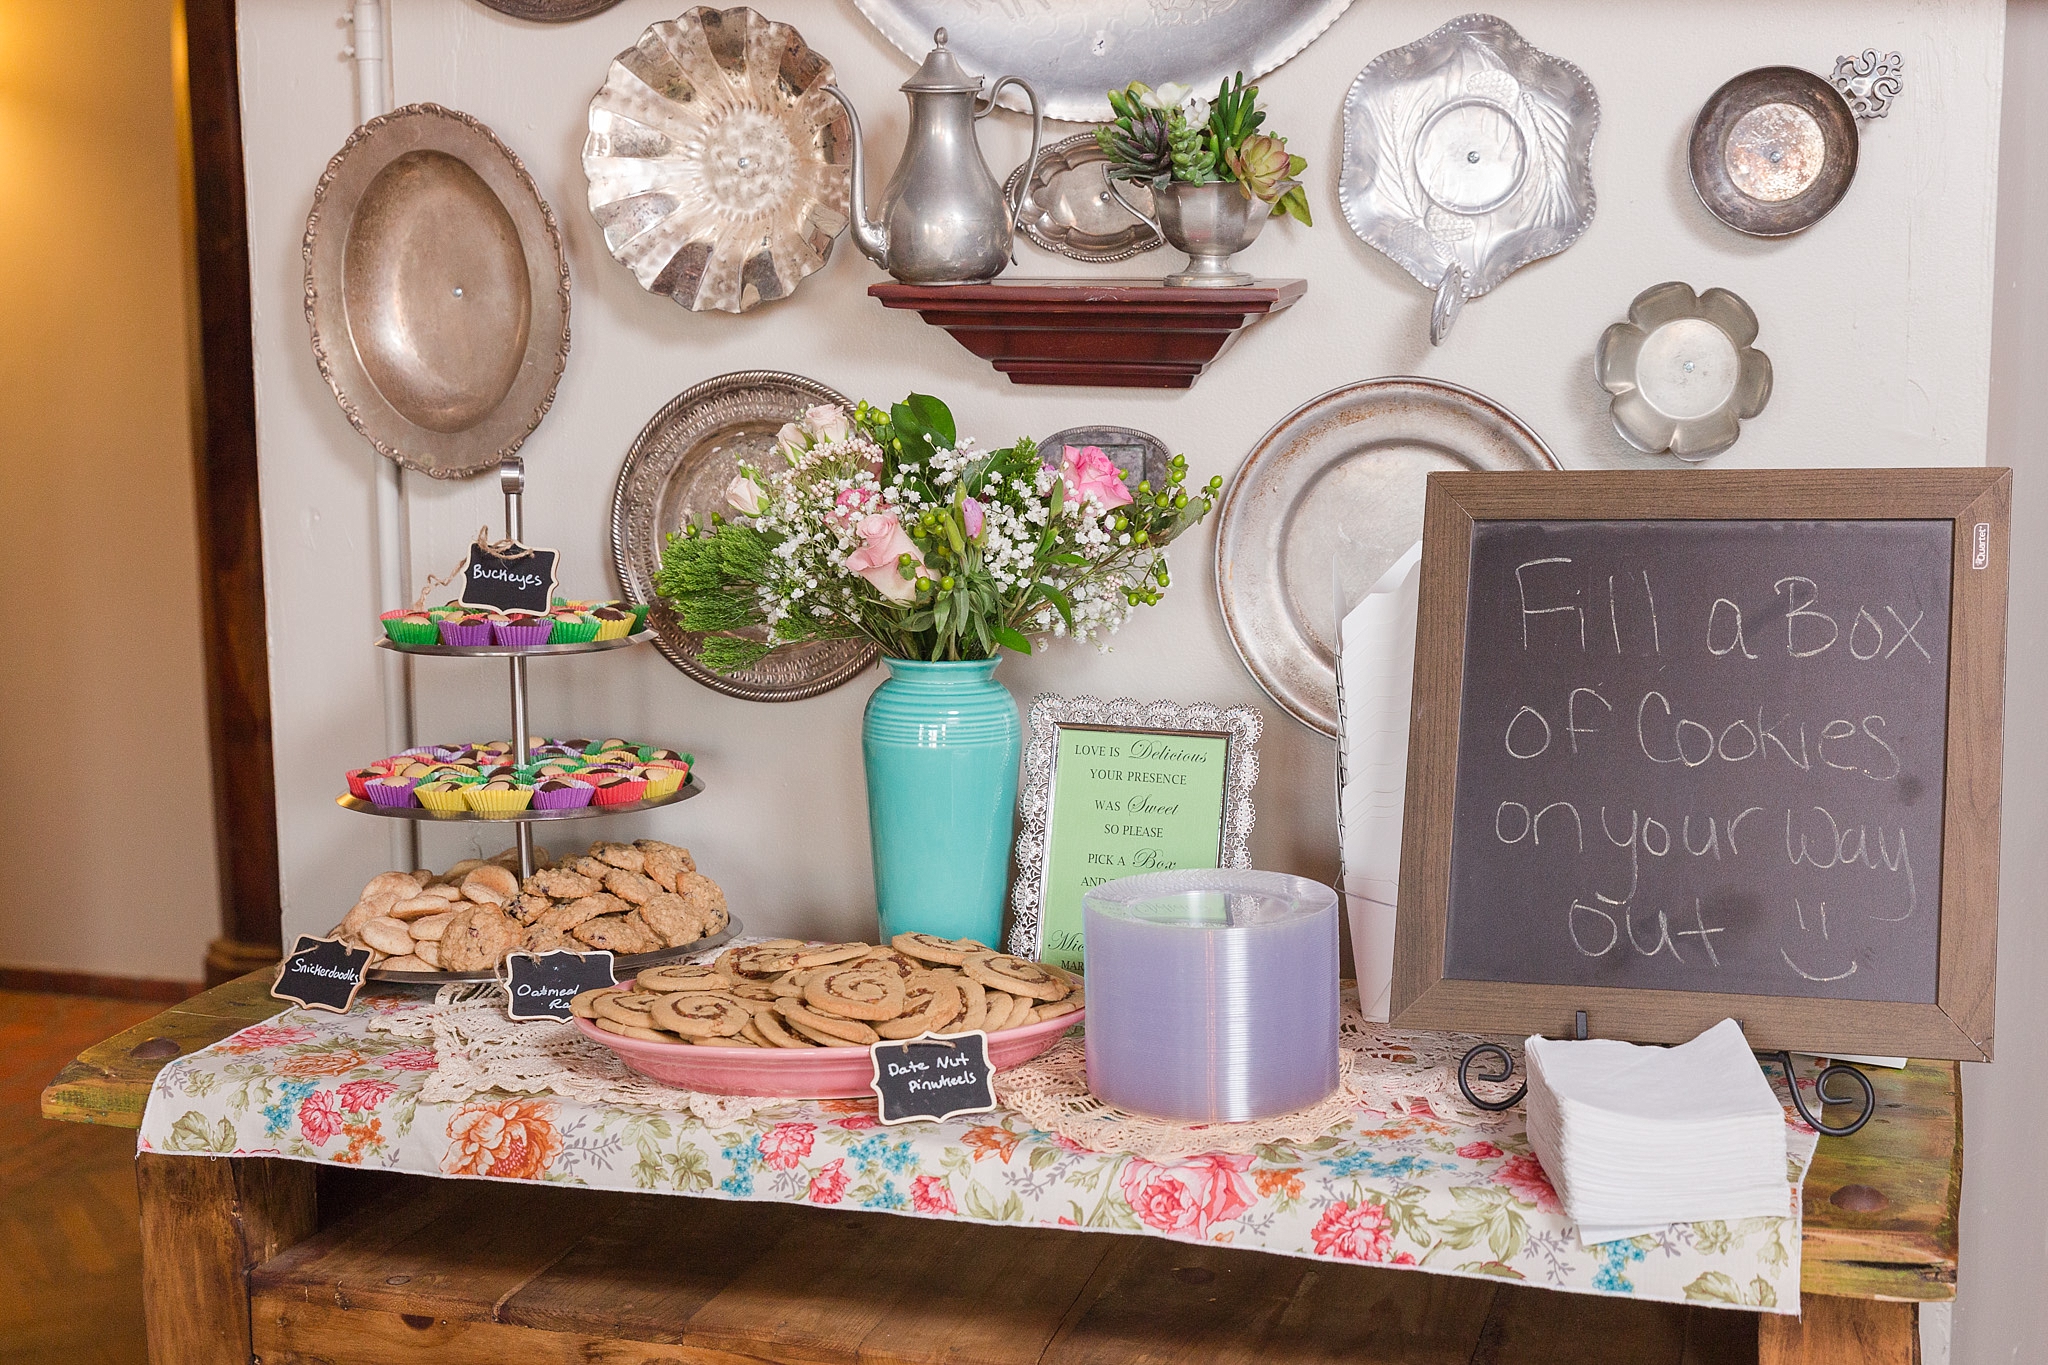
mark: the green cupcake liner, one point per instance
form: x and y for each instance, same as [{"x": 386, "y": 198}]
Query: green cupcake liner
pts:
[
  {"x": 639, "y": 610},
  {"x": 579, "y": 632},
  {"x": 413, "y": 632}
]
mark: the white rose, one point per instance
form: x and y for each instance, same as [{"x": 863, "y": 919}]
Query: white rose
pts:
[
  {"x": 791, "y": 440},
  {"x": 744, "y": 496},
  {"x": 827, "y": 422}
]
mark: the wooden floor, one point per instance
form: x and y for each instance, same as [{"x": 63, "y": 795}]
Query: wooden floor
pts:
[{"x": 70, "y": 1250}]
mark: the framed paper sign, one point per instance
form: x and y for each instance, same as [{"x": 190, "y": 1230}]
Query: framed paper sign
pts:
[
  {"x": 1113, "y": 789},
  {"x": 1692, "y": 745}
]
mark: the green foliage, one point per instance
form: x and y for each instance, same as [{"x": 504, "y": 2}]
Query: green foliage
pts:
[{"x": 1184, "y": 144}]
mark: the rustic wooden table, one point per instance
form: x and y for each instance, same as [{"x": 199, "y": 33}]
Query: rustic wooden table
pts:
[{"x": 281, "y": 1261}]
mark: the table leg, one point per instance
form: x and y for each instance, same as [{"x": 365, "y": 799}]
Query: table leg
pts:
[
  {"x": 206, "y": 1221},
  {"x": 1837, "y": 1331}
]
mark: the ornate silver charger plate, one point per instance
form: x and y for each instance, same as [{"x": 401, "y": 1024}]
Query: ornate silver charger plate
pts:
[
  {"x": 550, "y": 11},
  {"x": 1326, "y": 501},
  {"x": 1467, "y": 155},
  {"x": 436, "y": 290},
  {"x": 676, "y": 471},
  {"x": 1072, "y": 51},
  {"x": 1138, "y": 455},
  {"x": 719, "y": 168},
  {"x": 624, "y": 967},
  {"x": 1067, "y": 207}
]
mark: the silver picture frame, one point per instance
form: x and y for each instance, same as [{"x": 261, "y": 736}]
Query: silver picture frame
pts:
[{"x": 1242, "y": 727}]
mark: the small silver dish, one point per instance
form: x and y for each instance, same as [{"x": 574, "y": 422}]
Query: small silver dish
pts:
[
  {"x": 1068, "y": 207},
  {"x": 1775, "y": 149},
  {"x": 1139, "y": 456},
  {"x": 1682, "y": 371},
  {"x": 1467, "y": 155}
]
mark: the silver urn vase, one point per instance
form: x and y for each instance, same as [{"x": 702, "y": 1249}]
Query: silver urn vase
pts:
[{"x": 1211, "y": 223}]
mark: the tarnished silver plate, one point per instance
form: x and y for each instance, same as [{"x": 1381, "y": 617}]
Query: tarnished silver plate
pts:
[
  {"x": 1326, "y": 501},
  {"x": 1067, "y": 206},
  {"x": 1138, "y": 455},
  {"x": 677, "y": 471},
  {"x": 1073, "y": 51},
  {"x": 436, "y": 290},
  {"x": 719, "y": 168},
  {"x": 1467, "y": 155}
]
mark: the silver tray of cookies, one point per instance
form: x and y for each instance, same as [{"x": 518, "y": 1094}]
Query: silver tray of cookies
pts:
[{"x": 645, "y": 902}]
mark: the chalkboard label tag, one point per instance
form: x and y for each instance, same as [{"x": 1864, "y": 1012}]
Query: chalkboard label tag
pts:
[
  {"x": 540, "y": 986},
  {"x": 933, "y": 1078},
  {"x": 322, "y": 974},
  {"x": 509, "y": 576}
]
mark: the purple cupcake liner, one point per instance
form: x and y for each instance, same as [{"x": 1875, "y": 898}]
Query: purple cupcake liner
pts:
[
  {"x": 453, "y": 633},
  {"x": 575, "y": 795},
  {"x": 521, "y": 635},
  {"x": 384, "y": 794}
]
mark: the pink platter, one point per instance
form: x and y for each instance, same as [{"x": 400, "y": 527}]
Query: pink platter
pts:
[{"x": 815, "y": 1073}]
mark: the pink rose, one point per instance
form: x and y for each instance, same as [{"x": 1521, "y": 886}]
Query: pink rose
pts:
[
  {"x": 1088, "y": 471},
  {"x": 1356, "y": 1232},
  {"x": 744, "y": 496},
  {"x": 1524, "y": 1175},
  {"x": 970, "y": 517},
  {"x": 929, "y": 1194},
  {"x": 828, "y": 1186},
  {"x": 852, "y": 504},
  {"x": 827, "y": 422},
  {"x": 410, "y": 1059},
  {"x": 1191, "y": 1195},
  {"x": 1478, "y": 1151},
  {"x": 358, "y": 1096},
  {"x": 257, "y": 1037},
  {"x": 884, "y": 544},
  {"x": 318, "y": 1118},
  {"x": 784, "y": 1145},
  {"x": 854, "y": 1123}
]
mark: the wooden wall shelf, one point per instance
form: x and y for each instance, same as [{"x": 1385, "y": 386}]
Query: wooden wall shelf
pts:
[{"x": 1118, "y": 333}]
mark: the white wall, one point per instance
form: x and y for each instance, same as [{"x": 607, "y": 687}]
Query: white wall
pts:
[{"x": 95, "y": 479}]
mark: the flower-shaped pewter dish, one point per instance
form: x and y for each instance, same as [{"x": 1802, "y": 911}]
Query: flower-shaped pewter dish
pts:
[
  {"x": 1467, "y": 155},
  {"x": 1682, "y": 371},
  {"x": 719, "y": 168}
]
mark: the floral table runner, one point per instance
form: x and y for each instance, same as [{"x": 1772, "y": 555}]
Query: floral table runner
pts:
[{"x": 1399, "y": 1190}]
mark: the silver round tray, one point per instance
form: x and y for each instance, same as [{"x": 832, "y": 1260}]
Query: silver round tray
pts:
[
  {"x": 1340, "y": 482},
  {"x": 1068, "y": 208},
  {"x": 691, "y": 787},
  {"x": 638, "y": 637},
  {"x": 677, "y": 470},
  {"x": 1074, "y": 51},
  {"x": 621, "y": 966},
  {"x": 436, "y": 290}
]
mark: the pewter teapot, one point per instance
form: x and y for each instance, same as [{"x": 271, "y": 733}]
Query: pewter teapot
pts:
[{"x": 944, "y": 219}]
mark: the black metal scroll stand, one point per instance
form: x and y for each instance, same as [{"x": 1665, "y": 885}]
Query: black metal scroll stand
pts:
[{"x": 1496, "y": 1052}]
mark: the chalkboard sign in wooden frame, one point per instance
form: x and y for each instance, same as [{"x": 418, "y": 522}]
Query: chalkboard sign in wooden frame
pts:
[{"x": 1944, "y": 1009}]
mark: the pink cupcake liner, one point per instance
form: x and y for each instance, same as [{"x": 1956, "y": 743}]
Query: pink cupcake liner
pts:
[
  {"x": 575, "y": 796},
  {"x": 522, "y": 634},
  {"x": 453, "y": 633},
  {"x": 624, "y": 794}
]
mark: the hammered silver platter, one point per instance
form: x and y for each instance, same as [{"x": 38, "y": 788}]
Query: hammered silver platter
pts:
[
  {"x": 1067, "y": 206},
  {"x": 691, "y": 787},
  {"x": 719, "y": 167},
  {"x": 436, "y": 291},
  {"x": 677, "y": 471},
  {"x": 622, "y": 967},
  {"x": 1467, "y": 155},
  {"x": 1326, "y": 501},
  {"x": 1074, "y": 51}
]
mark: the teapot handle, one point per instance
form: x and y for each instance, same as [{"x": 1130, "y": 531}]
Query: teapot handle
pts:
[{"x": 1031, "y": 164}]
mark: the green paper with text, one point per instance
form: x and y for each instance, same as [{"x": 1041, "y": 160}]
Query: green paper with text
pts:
[{"x": 1126, "y": 802}]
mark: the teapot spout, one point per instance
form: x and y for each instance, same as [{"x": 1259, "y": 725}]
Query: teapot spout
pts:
[{"x": 871, "y": 237}]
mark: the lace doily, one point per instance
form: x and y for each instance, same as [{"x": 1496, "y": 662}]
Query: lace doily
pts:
[
  {"x": 476, "y": 1048},
  {"x": 1380, "y": 1069}
]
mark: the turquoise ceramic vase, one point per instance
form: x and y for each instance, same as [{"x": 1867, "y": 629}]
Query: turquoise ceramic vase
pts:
[{"x": 942, "y": 743}]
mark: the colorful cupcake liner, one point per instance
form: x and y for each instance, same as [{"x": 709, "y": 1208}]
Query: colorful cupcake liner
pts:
[
  {"x": 453, "y": 800},
  {"x": 573, "y": 632},
  {"x": 572, "y": 797},
  {"x": 499, "y": 803},
  {"x": 624, "y": 794},
  {"x": 521, "y": 635},
  {"x": 386, "y": 794},
  {"x": 465, "y": 636}
]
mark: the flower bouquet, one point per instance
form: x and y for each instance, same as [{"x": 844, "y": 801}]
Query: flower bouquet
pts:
[{"x": 886, "y": 526}]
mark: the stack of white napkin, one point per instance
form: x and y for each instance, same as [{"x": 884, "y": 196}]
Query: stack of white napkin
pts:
[
  {"x": 1375, "y": 677},
  {"x": 1637, "y": 1138}
]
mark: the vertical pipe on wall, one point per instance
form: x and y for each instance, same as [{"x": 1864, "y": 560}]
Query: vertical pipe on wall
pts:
[{"x": 371, "y": 52}]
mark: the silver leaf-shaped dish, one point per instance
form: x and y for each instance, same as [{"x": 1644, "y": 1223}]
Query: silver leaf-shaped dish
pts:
[
  {"x": 1467, "y": 155},
  {"x": 719, "y": 168},
  {"x": 436, "y": 291},
  {"x": 1067, "y": 206},
  {"x": 1073, "y": 51},
  {"x": 677, "y": 471}
]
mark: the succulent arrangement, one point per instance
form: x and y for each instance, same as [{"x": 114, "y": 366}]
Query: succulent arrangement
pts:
[{"x": 1173, "y": 136}]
